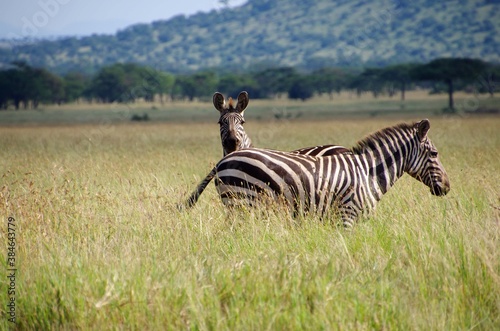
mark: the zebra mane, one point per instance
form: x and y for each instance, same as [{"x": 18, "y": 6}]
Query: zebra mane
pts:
[
  {"x": 370, "y": 142},
  {"x": 229, "y": 105}
]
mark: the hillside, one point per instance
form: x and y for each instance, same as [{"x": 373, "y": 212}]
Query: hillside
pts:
[{"x": 303, "y": 33}]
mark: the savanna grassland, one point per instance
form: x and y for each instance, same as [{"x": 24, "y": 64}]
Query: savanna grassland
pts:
[{"x": 100, "y": 243}]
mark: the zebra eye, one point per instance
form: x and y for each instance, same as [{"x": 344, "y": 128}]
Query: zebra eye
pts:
[{"x": 433, "y": 154}]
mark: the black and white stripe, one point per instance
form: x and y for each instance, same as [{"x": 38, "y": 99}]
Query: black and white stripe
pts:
[
  {"x": 323, "y": 150},
  {"x": 349, "y": 183}
]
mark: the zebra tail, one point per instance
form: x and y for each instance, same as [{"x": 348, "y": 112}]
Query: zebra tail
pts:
[{"x": 193, "y": 198}]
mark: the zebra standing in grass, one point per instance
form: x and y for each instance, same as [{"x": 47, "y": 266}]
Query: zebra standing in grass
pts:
[
  {"x": 232, "y": 134},
  {"x": 234, "y": 137},
  {"x": 350, "y": 183}
]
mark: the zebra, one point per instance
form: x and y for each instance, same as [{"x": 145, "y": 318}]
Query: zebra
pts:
[
  {"x": 350, "y": 184},
  {"x": 234, "y": 137},
  {"x": 232, "y": 134}
]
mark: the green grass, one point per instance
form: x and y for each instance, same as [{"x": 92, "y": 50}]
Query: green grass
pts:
[{"x": 101, "y": 244}]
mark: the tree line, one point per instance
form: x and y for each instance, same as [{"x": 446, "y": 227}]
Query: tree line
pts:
[{"x": 24, "y": 86}]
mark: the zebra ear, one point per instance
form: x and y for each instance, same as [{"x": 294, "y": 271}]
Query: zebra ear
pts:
[
  {"x": 422, "y": 128},
  {"x": 242, "y": 101},
  {"x": 218, "y": 100}
]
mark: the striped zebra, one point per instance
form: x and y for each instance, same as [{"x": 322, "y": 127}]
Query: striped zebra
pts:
[
  {"x": 350, "y": 184},
  {"x": 234, "y": 137},
  {"x": 232, "y": 134}
]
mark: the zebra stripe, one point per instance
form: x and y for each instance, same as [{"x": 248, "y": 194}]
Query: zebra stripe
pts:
[
  {"x": 322, "y": 150},
  {"x": 350, "y": 183}
]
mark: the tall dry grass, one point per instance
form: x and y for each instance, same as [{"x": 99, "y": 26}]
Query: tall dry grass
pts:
[{"x": 101, "y": 244}]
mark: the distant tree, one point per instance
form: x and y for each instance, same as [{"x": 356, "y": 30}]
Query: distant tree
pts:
[
  {"x": 75, "y": 84},
  {"x": 274, "y": 81},
  {"x": 330, "y": 80},
  {"x": 232, "y": 84},
  {"x": 229, "y": 83},
  {"x": 184, "y": 88},
  {"x": 369, "y": 80},
  {"x": 144, "y": 83},
  {"x": 449, "y": 71},
  {"x": 108, "y": 85},
  {"x": 26, "y": 85},
  {"x": 126, "y": 83},
  {"x": 201, "y": 84},
  {"x": 398, "y": 74},
  {"x": 147, "y": 84},
  {"x": 489, "y": 81},
  {"x": 19, "y": 83},
  {"x": 45, "y": 87},
  {"x": 165, "y": 85},
  {"x": 302, "y": 88},
  {"x": 4, "y": 86},
  {"x": 139, "y": 82}
]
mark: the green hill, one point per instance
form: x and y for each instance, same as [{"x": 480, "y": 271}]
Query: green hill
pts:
[{"x": 302, "y": 33}]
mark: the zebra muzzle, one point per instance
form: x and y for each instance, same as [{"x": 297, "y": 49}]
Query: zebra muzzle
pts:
[
  {"x": 230, "y": 144},
  {"x": 440, "y": 189}
]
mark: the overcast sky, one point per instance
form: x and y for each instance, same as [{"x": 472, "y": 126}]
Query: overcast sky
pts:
[{"x": 42, "y": 18}]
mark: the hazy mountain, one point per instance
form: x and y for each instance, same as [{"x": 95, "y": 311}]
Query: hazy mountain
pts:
[
  {"x": 81, "y": 28},
  {"x": 304, "y": 33}
]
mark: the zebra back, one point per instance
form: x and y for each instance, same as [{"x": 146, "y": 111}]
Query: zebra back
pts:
[{"x": 323, "y": 150}]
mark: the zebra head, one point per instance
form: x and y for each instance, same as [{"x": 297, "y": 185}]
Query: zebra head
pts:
[
  {"x": 231, "y": 121},
  {"x": 426, "y": 166}
]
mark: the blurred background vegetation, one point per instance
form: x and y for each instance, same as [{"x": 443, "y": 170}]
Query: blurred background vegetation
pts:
[
  {"x": 25, "y": 87},
  {"x": 269, "y": 48},
  {"x": 307, "y": 35}
]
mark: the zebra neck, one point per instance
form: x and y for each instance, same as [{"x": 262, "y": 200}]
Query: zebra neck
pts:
[
  {"x": 245, "y": 142},
  {"x": 386, "y": 165}
]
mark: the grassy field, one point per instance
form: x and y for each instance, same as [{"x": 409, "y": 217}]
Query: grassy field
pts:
[
  {"x": 100, "y": 243},
  {"x": 343, "y": 105}
]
